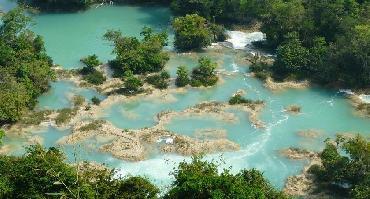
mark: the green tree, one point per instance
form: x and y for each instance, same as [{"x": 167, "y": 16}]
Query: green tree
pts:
[
  {"x": 91, "y": 61},
  {"x": 291, "y": 57},
  {"x": 138, "y": 56},
  {"x": 132, "y": 84},
  {"x": 159, "y": 81},
  {"x": 25, "y": 69},
  {"x": 204, "y": 74},
  {"x": 201, "y": 179},
  {"x": 345, "y": 165},
  {"x": 191, "y": 32},
  {"x": 182, "y": 76},
  {"x": 42, "y": 173},
  {"x": 89, "y": 72}
]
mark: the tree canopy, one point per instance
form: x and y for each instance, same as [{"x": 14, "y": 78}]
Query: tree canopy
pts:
[
  {"x": 25, "y": 68},
  {"x": 191, "y": 32},
  {"x": 204, "y": 74},
  {"x": 201, "y": 179},
  {"x": 139, "y": 56},
  {"x": 43, "y": 173},
  {"x": 345, "y": 165}
]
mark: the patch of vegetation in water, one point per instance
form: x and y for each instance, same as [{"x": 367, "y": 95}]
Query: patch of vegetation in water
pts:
[
  {"x": 159, "y": 81},
  {"x": 204, "y": 74},
  {"x": 34, "y": 117},
  {"x": 239, "y": 99},
  {"x": 65, "y": 115},
  {"x": 92, "y": 126},
  {"x": 138, "y": 56},
  {"x": 90, "y": 73}
]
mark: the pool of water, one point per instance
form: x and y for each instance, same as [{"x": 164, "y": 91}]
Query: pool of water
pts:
[
  {"x": 69, "y": 37},
  {"x": 60, "y": 94}
]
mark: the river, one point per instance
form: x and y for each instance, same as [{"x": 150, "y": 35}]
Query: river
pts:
[{"x": 68, "y": 37}]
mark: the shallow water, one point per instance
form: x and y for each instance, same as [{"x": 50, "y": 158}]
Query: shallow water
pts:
[
  {"x": 60, "y": 94},
  {"x": 69, "y": 37}
]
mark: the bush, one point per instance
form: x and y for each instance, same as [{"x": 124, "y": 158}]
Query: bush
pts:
[
  {"x": 78, "y": 100},
  {"x": 25, "y": 67},
  {"x": 218, "y": 32},
  {"x": 182, "y": 76},
  {"x": 191, "y": 32},
  {"x": 159, "y": 81},
  {"x": 94, "y": 125},
  {"x": 91, "y": 61},
  {"x": 95, "y": 77},
  {"x": 139, "y": 56},
  {"x": 345, "y": 166},
  {"x": 65, "y": 115},
  {"x": 260, "y": 67},
  {"x": 43, "y": 173},
  {"x": 89, "y": 72},
  {"x": 239, "y": 99},
  {"x": 132, "y": 84},
  {"x": 95, "y": 100},
  {"x": 34, "y": 117},
  {"x": 201, "y": 179},
  {"x": 204, "y": 74}
]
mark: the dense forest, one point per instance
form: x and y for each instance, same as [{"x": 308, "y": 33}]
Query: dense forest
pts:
[{"x": 327, "y": 41}]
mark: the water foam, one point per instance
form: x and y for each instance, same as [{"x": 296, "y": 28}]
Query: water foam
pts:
[{"x": 240, "y": 40}]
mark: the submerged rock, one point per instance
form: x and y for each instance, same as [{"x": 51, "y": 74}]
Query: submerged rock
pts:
[
  {"x": 311, "y": 133},
  {"x": 278, "y": 86},
  {"x": 297, "y": 153},
  {"x": 293, "y": 109}
]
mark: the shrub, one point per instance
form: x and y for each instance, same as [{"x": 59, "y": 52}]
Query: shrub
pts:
[
  {"x": 191, "y": 32},
  {"x": 139, "y": 56},
  {"x": 132, "y": 84},
  {"x": 345, "y": 166},
  {"x": 65, "y": 115},
  {"x": 204, "y": 74},
  {"x": 218, "y": 32},
  {"x": 91, "y": 61},
  {"x": 95, "y": 77},
  {"x": 78, "y": 100},
  {"x": 182, "y": 76},
  {"x": 95, "y": 100},
  {"x": 238, "y": 99},
  {"x": 94, "y": 125},
  {"x": 159, "y": 81},
  {"x": 202, "y": 179},
  {"x": 43, "y": 173},
  {"x": 34, "y": 117}
]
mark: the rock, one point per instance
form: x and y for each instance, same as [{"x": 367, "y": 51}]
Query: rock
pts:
[
  {"x": 293, "y": 109},
  {"x": 278, "y": 86}
]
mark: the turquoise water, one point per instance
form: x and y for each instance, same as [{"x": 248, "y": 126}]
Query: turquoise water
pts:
[
  {"x": 69, "y": 37},
  {"x": 60, "y": 94},
  {"x": 6, "y": 5}
]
